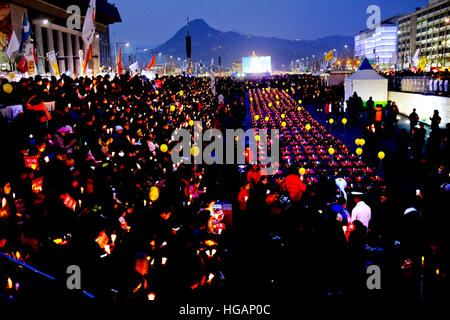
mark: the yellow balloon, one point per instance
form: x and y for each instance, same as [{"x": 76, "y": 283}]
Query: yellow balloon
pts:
[
  {"x": 256, "y": 117},
  {"x": 195, "y": 151},
  {"x": 331, "y": 151},
  {"x": 7, "y": 88},
  {"x": 381, "y": 155},
  {"x": 308, "y": 127},
  {"x": 299, "y": 101},
  {"x": 181, "y": 92},
  {"x": 154, "y": 193},
  {"x": 266, "y": 118},
  {"x": 172, "y": 108},
  {"x": 278, "y": 103},
  {"x": 331, "y": 121},
  {"x": 156, "y": 92},
  {"x": 362, "y": 142},
  {"x": 270, "y": 104},
  {"x": 357, "y": 142},
  {"x": 359, "y": 151},
  {"x": 283, "y": 116},
  {"x": 277, "y": 97},
  {"x": 283, "y": 124},
  {"x": 302, "y": 171},
  {"x": 299, "y": 108},
  {"x": 344, "y": 121},
  {"x": 251, "y": 99},
  {"x": 164, "y": 148},
  {"x": 257, "y": 137},
  {"x": 191, "y": 122}
]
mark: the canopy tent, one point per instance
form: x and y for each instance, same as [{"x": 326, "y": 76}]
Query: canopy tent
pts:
[{"x": 367, "y": 83}]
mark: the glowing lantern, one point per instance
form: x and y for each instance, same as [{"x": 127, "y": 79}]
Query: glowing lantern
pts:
[
  {"x": 302, "y": 171},
  {"x": 331, "y": 151},
  {"x": 344, "y": 121},
  {"x": 256, "y": 117},
  {"x": 308, "y": 127},
  {"x": 164, "y": 148},
  {"x": 7, "y": 88},
  {"x": 154, "y": 193},
  {"x": 331, "y": 121},
  {"x": 359, "y": 151},
  {"x": 151, "y": 296},
  {"x": 381, "y": 155},
  {"x": 191, "y": 122}
]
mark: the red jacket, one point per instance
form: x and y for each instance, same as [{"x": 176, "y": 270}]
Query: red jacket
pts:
[{"x": 295, "y": 187}]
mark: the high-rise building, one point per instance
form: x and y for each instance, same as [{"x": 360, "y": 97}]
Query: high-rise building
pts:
[
  {"x": 378, "y": 45},
  {"x": 52, "y": 30},
  {"x": 426, "y": 30}
]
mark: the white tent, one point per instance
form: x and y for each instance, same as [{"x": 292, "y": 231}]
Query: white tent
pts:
[{"x": 367, "y": 83}]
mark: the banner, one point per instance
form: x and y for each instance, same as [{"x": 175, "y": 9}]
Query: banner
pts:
[
  {"x": 31, "y": 162},
  {"x": 69, "y": 202},
  {"x": 81, "y": 56},
  {"x": 36, "y": 185},
  {"x": 29, "y": 55},
  {"x": 53, "y": 62}
]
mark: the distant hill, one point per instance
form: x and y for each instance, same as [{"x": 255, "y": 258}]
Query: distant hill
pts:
[{"x": 208, "y": 42}]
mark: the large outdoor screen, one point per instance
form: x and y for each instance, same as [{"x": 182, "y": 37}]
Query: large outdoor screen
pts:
[{"x": 256, "y": 64}]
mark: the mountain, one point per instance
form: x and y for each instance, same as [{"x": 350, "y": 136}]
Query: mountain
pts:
[{"x": 208, "y": 42}]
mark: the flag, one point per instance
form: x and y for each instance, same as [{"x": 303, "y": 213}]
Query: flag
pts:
[
  {"x": 133, "y": 67},
  {"x": 152, "y": 63},
  {"x": 53, "y": 62},
  {"x": 415, "y": 59},
  {"x": 13, "y": 45},
  {"x": 422, "y": 63},
  {"x": 23, "y": 65},
  {"x": 26, "y": 31},
  {"x": 394, "y": 58},
  {"x": 119, "y": 61},
  {"x": 87, "y": 58},
  {"x": 212, "y": 65},
  {"x": 89, "y": 23},
  {"x": 329, "y": 55}
]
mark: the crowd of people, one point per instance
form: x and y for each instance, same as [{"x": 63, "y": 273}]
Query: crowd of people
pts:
[{"x": 92, "y": 184}]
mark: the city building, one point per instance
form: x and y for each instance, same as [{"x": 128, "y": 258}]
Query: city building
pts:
[
  {"x": 378, "y": 45},
  {"x": 52, "y": 30},
  {"x": 425, "y": 30}
]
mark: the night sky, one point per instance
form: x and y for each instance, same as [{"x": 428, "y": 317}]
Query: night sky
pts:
[{"x": 150, "y": 22}]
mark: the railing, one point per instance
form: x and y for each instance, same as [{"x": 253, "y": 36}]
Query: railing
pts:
[{"x": 424, "y": 84}]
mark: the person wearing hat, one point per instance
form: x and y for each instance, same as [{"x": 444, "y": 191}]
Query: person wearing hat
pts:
[{"x": 361, "y": 211}]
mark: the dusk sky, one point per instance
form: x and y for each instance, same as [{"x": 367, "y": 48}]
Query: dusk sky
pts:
[{"x": 154, "y": 22}]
